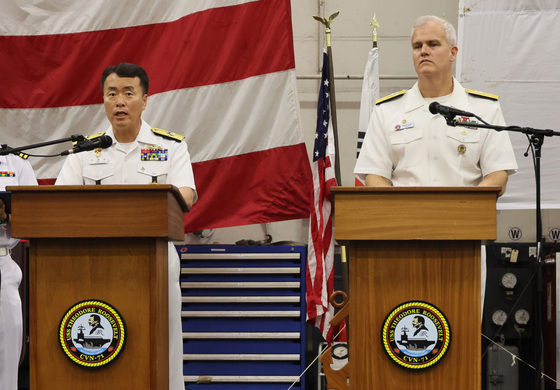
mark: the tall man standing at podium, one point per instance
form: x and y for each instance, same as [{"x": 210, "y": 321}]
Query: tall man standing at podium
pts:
[
  {"x": 129, "y": 160},
  {"x": 13, "y": 171},
  {"x": 406, "y": 145}
]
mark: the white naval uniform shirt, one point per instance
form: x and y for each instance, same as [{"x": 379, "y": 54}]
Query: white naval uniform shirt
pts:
[
  {"x": 119, "y": 165},
  {"x": 412, "y": 147},
  {"x": 14, "y": 171}
]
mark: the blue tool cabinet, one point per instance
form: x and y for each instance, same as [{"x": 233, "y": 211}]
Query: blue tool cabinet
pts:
[{"x": 243, "y": 317}]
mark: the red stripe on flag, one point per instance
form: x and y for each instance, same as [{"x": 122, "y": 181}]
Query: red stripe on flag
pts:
[
  {"x": 276, "y": 186},
  {"x": 235, "y": 42},
  {"x": 278, "y": 181},
  {"x": 358, "y": 182}
]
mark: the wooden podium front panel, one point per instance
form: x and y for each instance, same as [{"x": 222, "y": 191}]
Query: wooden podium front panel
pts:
[
  {"x": 385, "y": 274},
  {"x": 130, "y": 275}
]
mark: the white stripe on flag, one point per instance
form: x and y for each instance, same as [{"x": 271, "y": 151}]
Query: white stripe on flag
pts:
[{"x": 23, "y": 18}]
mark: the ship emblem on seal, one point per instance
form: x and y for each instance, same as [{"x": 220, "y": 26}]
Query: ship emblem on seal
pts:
[
  {"x": 416, "y": 335},
  {"x": 92, "y": 333}
]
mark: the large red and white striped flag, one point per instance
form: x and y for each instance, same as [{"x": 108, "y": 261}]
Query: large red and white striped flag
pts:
[
  {"x": 222, "y": 73},
  {"x": 320, "y": 257}
]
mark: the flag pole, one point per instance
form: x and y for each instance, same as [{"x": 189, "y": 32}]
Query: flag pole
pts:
[{"x": 327, "y": 23}]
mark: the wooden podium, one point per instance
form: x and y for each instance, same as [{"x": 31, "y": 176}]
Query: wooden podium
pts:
[
  {"x": 107, "y": 243},
  {"x": 414, "y": 244}
]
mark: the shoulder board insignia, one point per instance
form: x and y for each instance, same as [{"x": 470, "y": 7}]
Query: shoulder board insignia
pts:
[
  {"x": 168, "y": 134},
  {"x": 23, "y": 155},
  {"x": 94, "y": 136},
  {"x": 482, "y": 94},
  {"x": 390, "y": 97}
]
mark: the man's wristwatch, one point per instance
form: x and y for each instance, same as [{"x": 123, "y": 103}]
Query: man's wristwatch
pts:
[{"x": 5, "y": 221}]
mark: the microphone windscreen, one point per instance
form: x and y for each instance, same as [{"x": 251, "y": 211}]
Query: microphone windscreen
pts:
[
  {"x": 434, "y": 107},
  {"x": 105, "y": 141}
]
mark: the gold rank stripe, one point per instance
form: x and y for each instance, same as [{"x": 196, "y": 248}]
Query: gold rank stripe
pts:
[
  {"x": 168, "y": 134},
  {"x": 390, "y": 97},
  {"x": 482, "y": 94},
  {"x": 97, "y": 135}
]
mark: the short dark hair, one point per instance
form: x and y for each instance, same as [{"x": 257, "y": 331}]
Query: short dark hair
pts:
[{"x": 124, "y": 69}]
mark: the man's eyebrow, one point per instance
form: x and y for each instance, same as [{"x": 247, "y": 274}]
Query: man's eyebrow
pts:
[
  {"x": 429, "y": 41},
  {"x": 128, "y": 87}
]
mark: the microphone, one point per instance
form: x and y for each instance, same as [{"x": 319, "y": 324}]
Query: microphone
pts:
[
  {"x": 102, "y": 142},
  {"x": 446, "y": 111}
]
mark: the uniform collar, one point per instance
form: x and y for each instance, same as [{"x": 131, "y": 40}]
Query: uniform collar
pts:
[
  {"x": 458, "y": 98},
  {"x": 145, "y": 135}
]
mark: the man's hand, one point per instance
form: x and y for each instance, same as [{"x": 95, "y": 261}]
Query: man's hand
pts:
[
  {"x": 3, "y": 215},
  {"x": 495, "y": 179},
  {"x": 377, "y": 181},
  {"x": 188, "y": 195}
]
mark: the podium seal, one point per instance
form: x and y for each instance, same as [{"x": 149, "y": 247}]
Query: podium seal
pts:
[
  {"x": 92, "y": 333},
  {"x": 416, "y": 335}
]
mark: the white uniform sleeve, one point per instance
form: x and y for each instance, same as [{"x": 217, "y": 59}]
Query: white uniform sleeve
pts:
[
  {"x": 181, "y": 173},
  {"x": 497, "y": 153},
  {"x": 375, "y": 156}
]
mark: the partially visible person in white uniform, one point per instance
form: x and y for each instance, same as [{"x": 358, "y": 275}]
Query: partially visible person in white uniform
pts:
[
  {"x": 14, "y": 170},
  {"x": 406, "y": 145},
  {"x": 139, "y": 154}
]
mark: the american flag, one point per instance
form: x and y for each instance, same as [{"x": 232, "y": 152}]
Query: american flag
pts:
[
  {"x": 320, "y": 260},
  {"x": 222, "y": 73}
]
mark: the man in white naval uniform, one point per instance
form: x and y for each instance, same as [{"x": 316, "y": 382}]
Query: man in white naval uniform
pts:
[
  {"x": 406, "y": 145},
  {"x": 139, "y": 154},
  {"x": 13, "y": 171}
]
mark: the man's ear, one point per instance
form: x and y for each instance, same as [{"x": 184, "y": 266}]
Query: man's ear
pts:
[{"x": 454, "y": 51}]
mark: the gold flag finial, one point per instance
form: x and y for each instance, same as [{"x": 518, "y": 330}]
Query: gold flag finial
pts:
[
  {"x": 327, "y": 23},
  {"x": 375, "y": 25}
]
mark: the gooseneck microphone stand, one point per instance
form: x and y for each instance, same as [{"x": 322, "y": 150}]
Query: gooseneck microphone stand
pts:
[
  {"x": 536, "y": 140},
  {"x": 5, "y": 149}
]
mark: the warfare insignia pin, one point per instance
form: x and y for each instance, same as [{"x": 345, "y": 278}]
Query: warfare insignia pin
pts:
[
  {"x": 416, "y": 335},
  {"x": 92, "y": 333}
]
